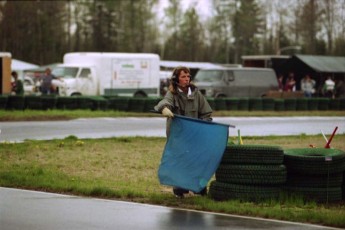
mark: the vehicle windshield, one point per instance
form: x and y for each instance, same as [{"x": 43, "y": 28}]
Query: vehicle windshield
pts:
[
  {"x": 209, "y": 76},
  {"x": 65, "y": 72}
]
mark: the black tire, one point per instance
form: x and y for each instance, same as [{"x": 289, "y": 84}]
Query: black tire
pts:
[
  {"x": 224, "y": 191},
  {"x": 314, "y": 161},
  {"x": 322, "y": 195},
  {"x": 251, "y": 174},
  {"x": 253, "y": 154},
  {"x": 314, "y": 181}
]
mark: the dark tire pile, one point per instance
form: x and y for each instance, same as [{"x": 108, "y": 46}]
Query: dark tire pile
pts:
[
  {"x": 249, "y": 172},
  {"x": 315, "y": 173},
  {"x": 256, "y": 172}
]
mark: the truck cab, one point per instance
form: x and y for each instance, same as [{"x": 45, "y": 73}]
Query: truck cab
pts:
[{"x": 75, "y": 80}]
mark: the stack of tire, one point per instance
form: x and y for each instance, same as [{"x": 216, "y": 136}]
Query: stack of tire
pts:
[
  {"x": 316, "y": 174},
  {"x": 249, "y": 173}
]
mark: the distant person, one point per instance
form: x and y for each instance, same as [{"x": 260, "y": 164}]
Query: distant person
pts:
[
  {"x": 308, "y": 86},
  {"x": 17, "y": 85},
  {"x": 280, "y": 82},
  {"x": 290, "y": 84},
  {"x": 46, "y": 87},
  {"x": 340, "y": 89},
  {"x": 328, "y": 88}
]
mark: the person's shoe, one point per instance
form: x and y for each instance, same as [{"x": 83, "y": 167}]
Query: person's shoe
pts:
[
  {"x": 178, "y": 192},
  {"x": 203, "y": 192}
]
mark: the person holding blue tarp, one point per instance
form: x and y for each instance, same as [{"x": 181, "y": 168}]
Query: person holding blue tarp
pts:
[{"x": 183, "y": 98}]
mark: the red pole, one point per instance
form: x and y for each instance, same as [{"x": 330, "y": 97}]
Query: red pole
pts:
[{"x": 328, "y": 145}]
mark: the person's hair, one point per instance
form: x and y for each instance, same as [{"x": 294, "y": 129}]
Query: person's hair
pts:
[
  {"x": 14, "y": 74},
  {"x": 174, "y": 78}
]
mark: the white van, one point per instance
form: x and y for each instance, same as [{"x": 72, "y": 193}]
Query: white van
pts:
[
  {"x": 121, "y": 74},
  {"x": 236, "y": 82}
]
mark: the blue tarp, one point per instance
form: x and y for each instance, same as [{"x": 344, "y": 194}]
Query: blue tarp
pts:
[{"x": 192, "y": 153}]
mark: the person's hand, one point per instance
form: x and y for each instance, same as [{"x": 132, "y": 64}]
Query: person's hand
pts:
[{"x": 167, "y": 113}]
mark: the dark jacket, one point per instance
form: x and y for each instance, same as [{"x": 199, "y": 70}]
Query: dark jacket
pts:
[{"x": 195, "y": 105}]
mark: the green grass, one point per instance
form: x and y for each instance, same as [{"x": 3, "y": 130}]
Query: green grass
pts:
[
  {"x": 37, "y": 115},
  {"x": 126, "y": 169}
]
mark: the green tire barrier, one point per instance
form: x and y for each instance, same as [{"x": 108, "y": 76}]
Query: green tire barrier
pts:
[
  {"x": 334, "y": 104},
  {"x": 48, "y": 102},
  {"x": 136, "y": 105},
  {"x": 220, "y": 104},
  {"x": 279, "y": 105},
  {"x": 314, "y": 181},
  {"x": 119, "y": 103},
  {"x": 151, "y": 103},
  {"x": 290, "y": 104},
  {"x": 3, "y": 101},
  {"x": 253, "y": 154},
  {"x": 314, "y": 161},
  {"x": 251, "y": 174},
  {"x": 255, "y": 104},
  {"x": 224, "y": 191},
  {"x": 212, "y": 103},
  {"x": 243, "y": 104},
  {"x": 268, "y": 104},
  {"x": 322, "y": 195},
  {"x": 313, "y": 104},
  {"x": 16, "y": 102},
  {"x": 73, "y": 103},
  {"x": 232, "y": 104},
  {"x": 323, "y": 103},
  {"x": 33, "y": 102},
  {"x": 302, "y": 104},
  {"x": 99, "y": 103},
  {"x": 342, "y": 103}
]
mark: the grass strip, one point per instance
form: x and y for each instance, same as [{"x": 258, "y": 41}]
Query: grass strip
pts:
[{"x": 37, "y": 115}]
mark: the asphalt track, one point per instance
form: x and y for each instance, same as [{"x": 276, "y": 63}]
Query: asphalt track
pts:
[
  {"x": 155, "y": 126},
  {"x": 30, "y": 210}
]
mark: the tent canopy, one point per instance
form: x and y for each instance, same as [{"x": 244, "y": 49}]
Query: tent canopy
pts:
[{"x": 18, "y": 65}]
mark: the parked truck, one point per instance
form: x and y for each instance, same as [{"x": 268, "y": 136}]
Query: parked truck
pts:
[
  {"x": 121, "y": 74},
  {"x": 236, "y": 82}
]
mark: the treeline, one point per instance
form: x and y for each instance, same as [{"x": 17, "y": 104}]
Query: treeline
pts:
[{"x": 42, "y": 31}]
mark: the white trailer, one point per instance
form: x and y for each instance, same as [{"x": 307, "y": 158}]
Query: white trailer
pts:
[{"x": 121, "y": 74}]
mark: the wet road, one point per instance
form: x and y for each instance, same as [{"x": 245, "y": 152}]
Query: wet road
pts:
[
  {"x": 29, "y": 210},
  {"x": 138, "y": 126}
]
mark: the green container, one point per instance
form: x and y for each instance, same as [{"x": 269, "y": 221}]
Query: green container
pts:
[
  {"x": 279, "y": 105},
  {"x": 243, "y": 104},
  {"x": 302, "y": 104},
  {"x": 232, "y": 103}
]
